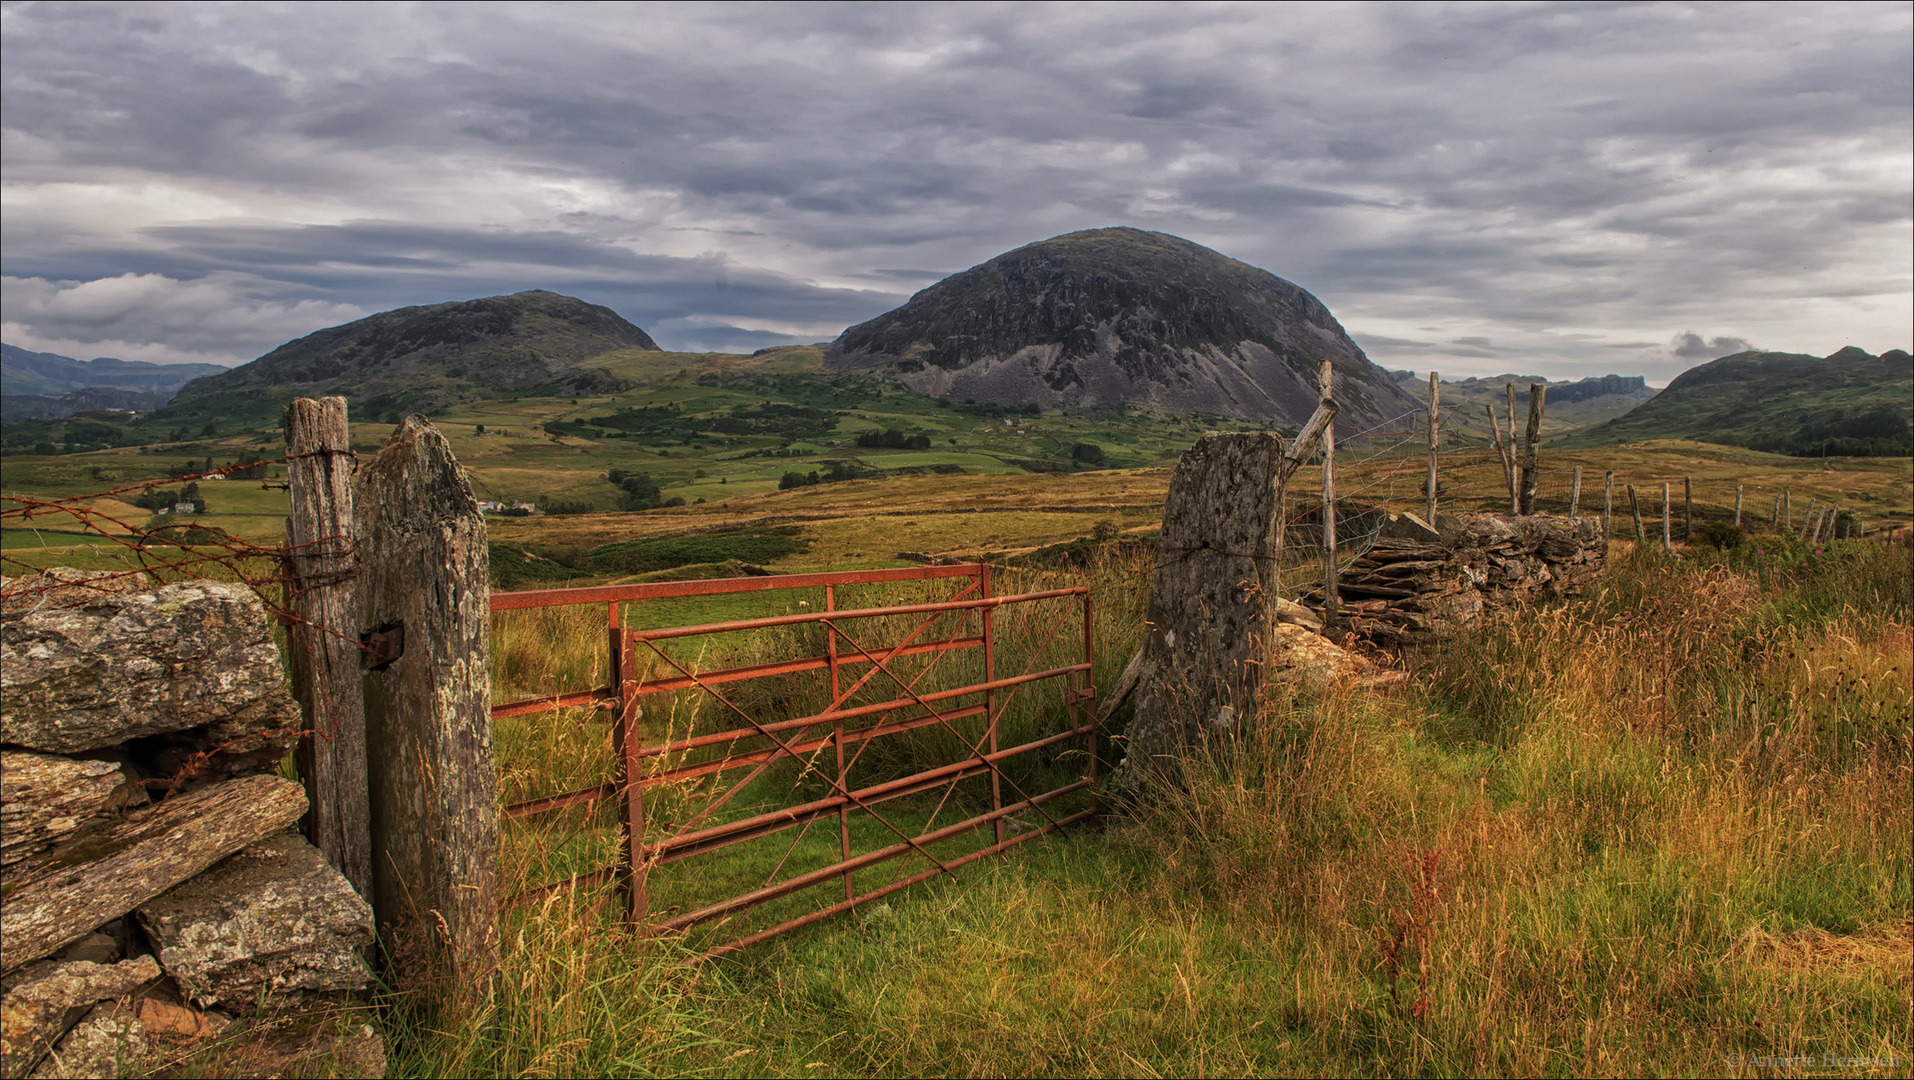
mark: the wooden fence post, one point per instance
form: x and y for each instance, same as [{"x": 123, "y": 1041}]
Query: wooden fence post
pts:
[
  {"x": 1666, "y": 543},
  {"x": 1332, "y": 600},
  {"x": 1575, "y": 492},
  {"x": 1435, "y": 418},
  {"x": 1806, "y": 519},
  {"x": 325, "y": 641},
  {"x": 1737, "y": 506},
  {"x": 1608, "y": 503},
  {"x": 1538, "y": 400},
  {"x": 424, "y": 610},
  {"x": 1787, "y": 510},
  {"x": 1635, "y": 507},
  {"x": 1515, "y": 491}
]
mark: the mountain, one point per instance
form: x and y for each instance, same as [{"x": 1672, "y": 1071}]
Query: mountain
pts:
[
  {"x": 1848, "y": 403},
  {"x": 1122, "y": 316},
  {"x": 1571, "y": 406},
  {"x": 423, "y": 359}
]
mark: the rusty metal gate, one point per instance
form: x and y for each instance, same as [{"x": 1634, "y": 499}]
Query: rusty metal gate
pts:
[{"x": 746, "y": 766}]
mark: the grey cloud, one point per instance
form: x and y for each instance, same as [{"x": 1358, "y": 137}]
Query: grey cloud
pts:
[
  {"x": 1689, "y": 345},
  {"x": 1513, "y": 167}
]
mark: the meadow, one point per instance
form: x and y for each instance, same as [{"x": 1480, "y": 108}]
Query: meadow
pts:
[{"x": 1659, "y": 829}]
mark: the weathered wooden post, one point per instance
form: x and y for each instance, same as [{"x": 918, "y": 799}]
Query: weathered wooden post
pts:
[
  {"x": 1777, "y": 510},
  {"x": 1634, "y": 506},
  {"x": 1687, "y": 508},
  {"x": 1435, "y": 419},
  {"x": 1575, "y": 492},
  {"x": 1515, "y": 491},
  {"x": 1807, "y": 519},
  {"x": 1787, "y": 510},
  {"x": 324, "y": 643},
  {"x": 1667, "y": 543},
  {"x": 424, "y": 613},
  {"x": 1608, "y": 503},
  {"x": 1737, "y": 506},
  {"x": 1538, "y": 396},
  {"x": 1507, "y": 453},
  {"x": 1332, "y": 599},
  {"x": 1199, "y": 675}
]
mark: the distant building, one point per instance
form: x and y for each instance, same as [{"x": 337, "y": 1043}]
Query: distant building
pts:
[{"x": 184, "y": 508}]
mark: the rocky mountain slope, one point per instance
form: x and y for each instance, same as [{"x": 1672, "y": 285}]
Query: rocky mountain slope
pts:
[
  {"x": 1122, "y": 316},
  {"x": 1848, "y": 403},
  {"x": 423, "y": 359}
]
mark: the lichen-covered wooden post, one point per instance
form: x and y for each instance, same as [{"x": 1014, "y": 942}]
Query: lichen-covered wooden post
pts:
[
  {"x": 424, "y": 613},
  {"x": 325, "y": 641},
  {"x": 1532, "y": 438},
  {"x": 1199, "y": 676}
]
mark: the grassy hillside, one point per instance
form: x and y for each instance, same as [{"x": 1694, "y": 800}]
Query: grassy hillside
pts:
[{"x": 1788, "y": 403}]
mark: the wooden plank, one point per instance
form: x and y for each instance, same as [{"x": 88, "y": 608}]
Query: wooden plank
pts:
[
  {"x": 322, "y": 571},
  {"x": 428, "y": 715}
]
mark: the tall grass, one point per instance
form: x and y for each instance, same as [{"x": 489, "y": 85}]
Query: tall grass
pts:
[{"x": 1660, "y": 829}]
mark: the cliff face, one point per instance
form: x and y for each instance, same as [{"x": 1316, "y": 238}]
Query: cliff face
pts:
[
  {"x": 425, "y": 358},
  {"x": 1122, "y": 316}
]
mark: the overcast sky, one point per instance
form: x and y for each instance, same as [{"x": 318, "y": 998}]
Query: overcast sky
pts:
[{"x": 1559, "y": 189}]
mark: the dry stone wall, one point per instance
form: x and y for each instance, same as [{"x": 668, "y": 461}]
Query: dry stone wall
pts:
[
  {"x": 1420, "y": 579},
  {"x": 151, "y": 893}
]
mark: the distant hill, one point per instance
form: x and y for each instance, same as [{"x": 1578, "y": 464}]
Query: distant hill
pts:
[
  {"x": 37, "y": 385},
  {"x": 424, "y": 359},
  {"x": 1571, "y": 406},
  {"x": 1122, "y": 316},
  {"x": 1850, "y": 403}
]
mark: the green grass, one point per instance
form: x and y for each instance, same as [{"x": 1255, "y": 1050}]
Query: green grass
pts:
[{"x": 1650, "y": 831}]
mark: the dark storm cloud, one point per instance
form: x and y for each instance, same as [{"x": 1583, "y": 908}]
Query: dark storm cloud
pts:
[{"x": 1534, "y": 176}]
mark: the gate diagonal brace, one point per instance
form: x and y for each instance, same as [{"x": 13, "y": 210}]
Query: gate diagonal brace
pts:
[
  {"x": 841, "y": 789},
  {"x": 908, "y": 689},
  {"x": 713, "y": 806}
]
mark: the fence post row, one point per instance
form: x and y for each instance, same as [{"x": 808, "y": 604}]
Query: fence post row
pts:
[{"x": 324, "y": 641}]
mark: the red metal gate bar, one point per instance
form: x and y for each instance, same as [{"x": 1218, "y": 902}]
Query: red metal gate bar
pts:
[{"x": 985, "y": 755}]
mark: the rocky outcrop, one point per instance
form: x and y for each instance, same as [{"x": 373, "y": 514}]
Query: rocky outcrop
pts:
[
  {"x": 132, "y": 664},
  {"x": 1122, "y": 316}
]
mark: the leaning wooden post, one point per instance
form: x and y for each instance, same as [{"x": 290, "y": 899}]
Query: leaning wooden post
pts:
[
  {"x": 1515, "y": 491},
  {"x": 1687, "y": 508},
  {"x": 1608, "y": 503},
  {"x": 1575, "y": 492},
  {"x": 1737, "y": 506},
  {"x": 1507, "y": 454},
  {"x": 1332, "y": 599},
  {"x": 323, "y": 566},
  {"x": 424, "y": 610},
  {"x": 1435, "y": 419},
  {"x": 1666, "y": 543},
  {"x": 1538, "y": 400},
  {"x": 1641, "y": 535},
  {"x": 1806, "y": 519},
  {"x": 1212, "y": 599}
]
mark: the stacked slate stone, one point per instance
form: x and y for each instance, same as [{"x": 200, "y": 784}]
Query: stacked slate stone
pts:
[
  {"x": 1419, "y": 580},
  {"x": 150, "y": 891}
]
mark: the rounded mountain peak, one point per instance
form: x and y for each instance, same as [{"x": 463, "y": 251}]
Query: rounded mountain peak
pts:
[{"x": 1122, "y": 316}]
